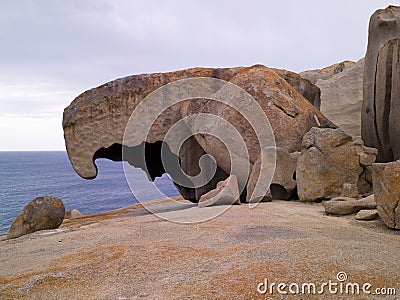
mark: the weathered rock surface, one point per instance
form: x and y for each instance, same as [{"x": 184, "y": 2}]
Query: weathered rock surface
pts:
[
  {"x": 131, "y": 254},
  {"x": 291, "y": 116},
  {"x": 341, "y": 88},
  {"x": 386, "y": 178},
  {"x": 283, "y": 182},
  {"x": 367, "y": 215},
  {"x": 326, "y": 73},
  {"x": 342, "y": 98},
  {"x": 331, "y": 164},
  {"x": 347, "y": 206},
  {"x": 41, "y": 213},
  {"x": 307, "y": 89},
  {"x": 381, "y": 105},
  {"x": 97, "y": 118},
  {"x": 94, "y": 123},
  {"x": 226, "y": 193},
  {"x": 73, "y": 213}
]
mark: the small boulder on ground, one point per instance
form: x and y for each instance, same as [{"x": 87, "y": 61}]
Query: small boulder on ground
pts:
[
  {"x": 73, "y": 213},
  {"x": 346, "y": 206},
  {"x": 226, "y": 193},
  {"x": 367, "y": 215},
  {"x": 41, "y": 213}
]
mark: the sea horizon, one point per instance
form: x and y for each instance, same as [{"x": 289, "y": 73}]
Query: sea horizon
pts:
[{"x": 29, "y": 174}]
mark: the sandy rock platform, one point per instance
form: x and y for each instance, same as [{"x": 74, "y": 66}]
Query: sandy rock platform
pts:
[{"x": 131, "y": 254}]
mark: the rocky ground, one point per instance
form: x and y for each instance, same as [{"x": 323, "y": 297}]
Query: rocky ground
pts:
[{"x": 131, "y": 254}]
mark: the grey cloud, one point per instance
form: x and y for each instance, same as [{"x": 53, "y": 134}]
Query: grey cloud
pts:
[
  {"x": 51, "y": 51},
  {"x": 85, "y": 43}
]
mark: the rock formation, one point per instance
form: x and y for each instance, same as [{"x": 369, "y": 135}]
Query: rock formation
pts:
[
  {"x": 331, "y": 164},
  {"x": 381, "y": 105},
  {"x": 41, "y": 213},
  {"x": 386, "y": 178},
  {"x": 341, "y": 88},
  {"x": 342, "y": 97},
  {"x": 94, "y": 123}
]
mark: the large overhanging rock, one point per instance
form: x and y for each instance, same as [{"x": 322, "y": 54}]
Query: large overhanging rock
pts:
[
  {"x": 381, "y": 104},
  {"x": 331, "y": 164},
  {"x": 386, "y": 178},
  {"x": 98, "y": 118},
  {"x": 94, "y": 123}
]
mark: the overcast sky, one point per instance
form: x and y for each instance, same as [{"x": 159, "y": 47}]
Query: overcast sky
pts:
[{"x": 51, "y": 51}]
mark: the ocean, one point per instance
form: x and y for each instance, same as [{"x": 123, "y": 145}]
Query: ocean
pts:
[{"x": 27, "y": 175}]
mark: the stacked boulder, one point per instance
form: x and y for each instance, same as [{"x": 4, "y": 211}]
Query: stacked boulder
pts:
[
  {"x": 332, "y": 164},
  {"x": 343, "y": 169},
  {"x": 335, "y": 167}
]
